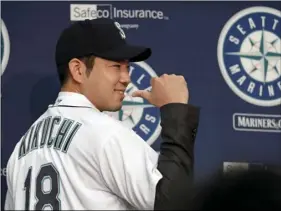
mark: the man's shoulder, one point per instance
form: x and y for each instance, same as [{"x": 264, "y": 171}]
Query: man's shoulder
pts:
[
  {"x": 100, "y": 119},
  {"x": 110, "y": 128},
  {"x": 88, "y": 117},
  {"x": 101, "y": 126}
]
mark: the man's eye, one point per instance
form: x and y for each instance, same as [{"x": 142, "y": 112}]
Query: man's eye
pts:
[{"x": 116, "y": 65}]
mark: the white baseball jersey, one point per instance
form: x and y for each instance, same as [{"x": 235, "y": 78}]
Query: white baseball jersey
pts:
[{"x": 75, "y": 157}]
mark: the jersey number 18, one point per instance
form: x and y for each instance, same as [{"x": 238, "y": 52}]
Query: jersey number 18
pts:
[{"x": 44, "y": 198}]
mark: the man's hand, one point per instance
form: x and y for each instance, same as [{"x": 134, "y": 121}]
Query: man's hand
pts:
[{"x": 165, "y": 89}]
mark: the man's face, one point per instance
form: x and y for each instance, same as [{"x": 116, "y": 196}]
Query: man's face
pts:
[{"x": 106, "y": 83}]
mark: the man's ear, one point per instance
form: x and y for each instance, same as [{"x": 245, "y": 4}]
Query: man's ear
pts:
[{"x": 77, "y": 69}]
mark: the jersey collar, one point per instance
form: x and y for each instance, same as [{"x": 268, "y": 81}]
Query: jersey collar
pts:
[{"x": 73, "y": 99}]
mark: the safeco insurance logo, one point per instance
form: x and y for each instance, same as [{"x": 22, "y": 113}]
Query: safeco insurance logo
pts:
[
  {"x": 80, "y": 12},
  {"x": 257, "y": 122}
]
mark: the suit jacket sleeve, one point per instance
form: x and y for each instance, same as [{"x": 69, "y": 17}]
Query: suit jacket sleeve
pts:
[{"x": 179, "y": 129}]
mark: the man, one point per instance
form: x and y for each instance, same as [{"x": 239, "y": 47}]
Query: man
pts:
[{"x": 76, "y": 157}]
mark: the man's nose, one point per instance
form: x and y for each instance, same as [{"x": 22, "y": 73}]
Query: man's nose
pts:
[{"x": 125, "y": 77}]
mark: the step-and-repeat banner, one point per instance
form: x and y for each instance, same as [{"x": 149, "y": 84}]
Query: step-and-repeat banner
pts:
[{"x": 229, "y": 53}]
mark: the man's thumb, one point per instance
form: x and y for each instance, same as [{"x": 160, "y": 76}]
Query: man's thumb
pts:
[{"x": 141, "y": 93}]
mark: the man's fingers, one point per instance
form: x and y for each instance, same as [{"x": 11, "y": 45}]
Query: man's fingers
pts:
[
  {"x": 143, "y": 94},
  {"x": 152, "y": 80}
]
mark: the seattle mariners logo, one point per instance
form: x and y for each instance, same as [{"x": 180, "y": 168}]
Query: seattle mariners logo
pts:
[
  {"x": 5, "y": 47},
  {"x": 137, "y": 113},
  {"x": 249, "y": 55}
]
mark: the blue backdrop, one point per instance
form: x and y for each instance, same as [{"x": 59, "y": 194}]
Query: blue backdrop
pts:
[{"x": 185, "y": 38}]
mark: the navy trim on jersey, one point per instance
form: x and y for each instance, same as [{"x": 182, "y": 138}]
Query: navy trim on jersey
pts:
[{"x": 70, "y": 106}]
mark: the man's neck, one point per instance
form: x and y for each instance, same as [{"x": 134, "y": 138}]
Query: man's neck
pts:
[{"x": 70, "y": 88}]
